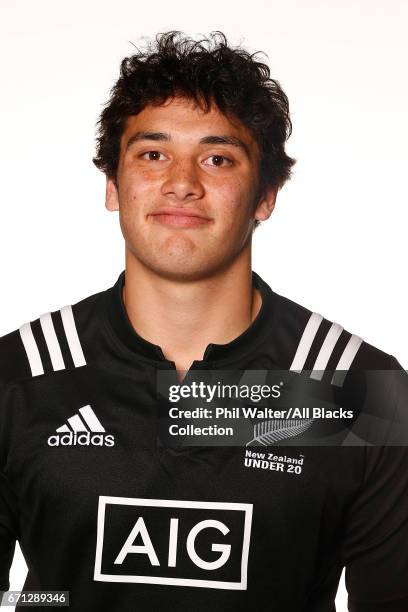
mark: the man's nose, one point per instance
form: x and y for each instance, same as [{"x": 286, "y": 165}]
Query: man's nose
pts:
[{"x": 183, "y": 181}]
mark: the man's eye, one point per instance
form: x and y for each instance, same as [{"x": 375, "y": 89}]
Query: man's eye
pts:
[
  {"x": 153, "y": 156},
  {"x": 218, "y": 161}
]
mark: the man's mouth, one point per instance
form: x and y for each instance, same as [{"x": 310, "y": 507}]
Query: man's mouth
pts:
[{"x": 180, "y": 217}]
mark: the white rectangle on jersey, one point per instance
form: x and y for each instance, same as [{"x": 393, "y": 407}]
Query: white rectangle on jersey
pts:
[
  {"x": 71, "y": 334},
  {"x": 306, "y": 342},
  {"x": 326, "y": 350},
  {"x": 51, "y": 339},
  {"x": 173, "y": 504},
  {"x": 346, "y": 360},
  {"x": 31, "y": 348}
]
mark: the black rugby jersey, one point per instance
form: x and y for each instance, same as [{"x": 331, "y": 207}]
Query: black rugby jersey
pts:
[{"x": 123, "y": 522}]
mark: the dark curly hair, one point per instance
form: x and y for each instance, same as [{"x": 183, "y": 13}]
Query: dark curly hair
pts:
[{"x": 207, "y": 71}]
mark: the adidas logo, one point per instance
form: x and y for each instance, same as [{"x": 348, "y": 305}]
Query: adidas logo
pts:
[{"x": 84, "y": 431}]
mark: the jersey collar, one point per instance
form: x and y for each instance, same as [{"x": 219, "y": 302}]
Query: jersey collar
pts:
[{"x": 246, "y": 343}]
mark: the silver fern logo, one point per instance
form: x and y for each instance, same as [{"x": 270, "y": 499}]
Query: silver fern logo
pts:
[{"x": 270, "y": 432}]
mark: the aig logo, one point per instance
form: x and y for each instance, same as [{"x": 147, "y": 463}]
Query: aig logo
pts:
[{"x": 166, "y": 541}]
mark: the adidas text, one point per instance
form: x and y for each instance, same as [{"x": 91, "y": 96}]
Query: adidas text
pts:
[{"x": 81, "y": 439}]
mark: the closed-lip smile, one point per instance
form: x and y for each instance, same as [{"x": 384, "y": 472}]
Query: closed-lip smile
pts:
[
  {"x": 180, "y": 212},
  {"x": 180, "y": 217}
]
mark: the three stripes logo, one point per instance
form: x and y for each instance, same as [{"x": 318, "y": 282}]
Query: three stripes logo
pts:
[
  {"x": 51, "y": 342},
  {"x": 332, "y": 338},
  {"x": 84, "y": 431}
]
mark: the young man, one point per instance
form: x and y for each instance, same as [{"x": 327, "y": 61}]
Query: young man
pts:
[{"x": 192, "y": 145}]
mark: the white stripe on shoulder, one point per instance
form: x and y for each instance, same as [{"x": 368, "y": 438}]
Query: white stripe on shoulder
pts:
[
  {"x": 52, "y": 341},
  {"x": 72, "y": 336},
  {"x": 346, "y": 360},
  {"x": 31, "y": 348},
  {"x": 326, "y": 350},
  {"x": 306, "y": 342}
]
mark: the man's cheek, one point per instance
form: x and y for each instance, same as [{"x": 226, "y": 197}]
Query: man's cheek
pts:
[{"x": 235, "y": 214}]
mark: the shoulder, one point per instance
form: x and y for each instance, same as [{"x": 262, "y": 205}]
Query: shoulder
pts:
[
  {"x": 56, "y": 340},
  {"x": 312, "y": 341},
  {"x": 354, "y": 373}
]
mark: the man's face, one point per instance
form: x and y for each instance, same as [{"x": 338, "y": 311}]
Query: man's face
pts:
[{"x": 176, "y": 159}]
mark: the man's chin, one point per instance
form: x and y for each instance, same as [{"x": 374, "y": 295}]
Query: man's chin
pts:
[
  {"x": 184, "y": 273},
  {"x": 177, "y": 265}
]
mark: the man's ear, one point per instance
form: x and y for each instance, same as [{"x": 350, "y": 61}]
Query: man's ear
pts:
[
  {"x": 111, "y": 195},
  {"x": 266, "y": 204}
]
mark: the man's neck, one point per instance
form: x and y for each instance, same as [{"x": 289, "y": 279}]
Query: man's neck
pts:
[{"x": 183, "y": 317}]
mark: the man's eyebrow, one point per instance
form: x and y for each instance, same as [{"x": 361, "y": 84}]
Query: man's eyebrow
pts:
[
  {"x": 228, "y": 140},
  {"x": 155, "y": 136},
  {"x": 213, "y": 139}
]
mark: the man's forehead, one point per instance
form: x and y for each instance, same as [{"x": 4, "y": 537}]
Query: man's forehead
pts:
[{"x": 185, "y": 116}]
